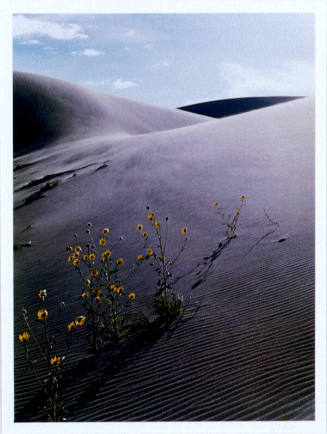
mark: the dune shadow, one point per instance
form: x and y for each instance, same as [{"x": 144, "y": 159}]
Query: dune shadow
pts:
[
  {"x": 234, "y": 106},
  {"x": 100, "y": 367}
]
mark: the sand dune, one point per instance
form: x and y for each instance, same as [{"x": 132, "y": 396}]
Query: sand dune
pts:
[
  {"x": 47, "y": 110},
  {"x": 233, "y": 106},
  {"x": 248, "y": 354}
]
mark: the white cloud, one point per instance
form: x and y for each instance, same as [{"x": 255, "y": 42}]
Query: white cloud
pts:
[
  {"x": 50, "y": 50},
  {"x": 130, "y": 33},
  {"x": 30, "y": 42},
  {"x": 291, "y": 78},
  {"x": 122, "y": 84},
  {"x": 23, "y": 26},
  {"x": 90, "y": 52},
  {"x": 95, "y": 83},
  {"x": 161, "y": 64},
  {"x": 118, "y": 84}
]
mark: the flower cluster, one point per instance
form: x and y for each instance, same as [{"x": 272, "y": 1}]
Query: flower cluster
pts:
[
  {"x": 103, "y": 295},
  {"x": 167, "y": 304},
  {"x": 50, "y": 362},
  {"x": 230, "y": 221}
]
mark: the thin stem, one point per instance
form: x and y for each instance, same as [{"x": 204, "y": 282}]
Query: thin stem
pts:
[{"x": 33, "y": 336}]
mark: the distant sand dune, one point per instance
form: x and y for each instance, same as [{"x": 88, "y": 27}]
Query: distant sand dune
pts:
[
  {"x": 234, "y": 106},
  {"x": 248, "y": 354}
]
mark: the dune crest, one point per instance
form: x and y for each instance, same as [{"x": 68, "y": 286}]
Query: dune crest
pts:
[{"x": 48, "y": 109}]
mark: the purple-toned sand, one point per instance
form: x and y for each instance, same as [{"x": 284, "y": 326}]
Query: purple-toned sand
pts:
[{"x": 248, "y": 353}]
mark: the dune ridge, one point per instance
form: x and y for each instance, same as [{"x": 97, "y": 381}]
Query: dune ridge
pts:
[
  {"x": 233, "y": 106},
  {"x": 48, "y": 109},
  {"x": 248, "y": 354}
]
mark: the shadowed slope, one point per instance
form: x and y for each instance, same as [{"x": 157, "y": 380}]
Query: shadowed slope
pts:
[
  {"x": 46, "y": 109},
  {"x": 234, "y": 106},
  {"x": 249, "y": 353}
]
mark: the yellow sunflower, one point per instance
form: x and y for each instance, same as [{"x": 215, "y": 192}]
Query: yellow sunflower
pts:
[
  {"x": 80, "y": 320},
  {"x": 55, "y": 360},
  {"x": 106, "y": 254},
  {"x": 120, "y": 261},
  {"x": 42, "y": 314},
  {"x": 94, "y": 273},
  {"x": 24, "y": 337}
]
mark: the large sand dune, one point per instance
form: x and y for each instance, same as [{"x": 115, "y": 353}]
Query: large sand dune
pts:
[
  {"x": 248, "y": 354},
  {"x": 46, "y": 110}
]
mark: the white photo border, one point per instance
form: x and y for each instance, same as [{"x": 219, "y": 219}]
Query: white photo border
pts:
[{"x": 316, "y": 7}]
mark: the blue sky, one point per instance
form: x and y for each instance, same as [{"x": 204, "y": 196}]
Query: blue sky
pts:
[{"x": 171, "y": 59}]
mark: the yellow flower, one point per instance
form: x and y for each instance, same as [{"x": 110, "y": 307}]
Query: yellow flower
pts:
[
  {"x": 242, "y": 197},
  {"x": 139, "y": 227},
  {"x": 97, "y": 298},
  {"x": 105, "y": 231},
  {"x": 237, "y": 212},
  {"x": 145, "y": 235},
  {"x": 42, "y": 314},
  {"x": 120, "y": 289},
  {"x": 157, "y": 225},
  {"x": 87, "y": 282},
  {"x": 69, "y": 249},
  {"x": 112, "y": 287},
  {"x": 76, "y": 262},
  {"x": 151, "y": 217},
  {"x": 70, "y": 258},
  {"x": 215, "y": 203},
  {"x": 85, "y": 294},
  {"x": 140, "y": 257},
  {"x": 85, "y": 257},
  {"x": 149, "y": 252},
  {"x": 184, "y": 230},
  {"x": 102, "y": 242},
  {"x": 80, "y": 320},
  {"x": 55, "y": 360},
  {"x": 23, "y": 337},
  {"x": 71, "y": 326},
  {"x": 120, "y": 261},
  {"x": 106, "y": 254},
  {"x": 131, "y": 296},
  {"x": 92, "y": 257},
  {"x": 94, "y": 273},
  {"x": 76, "y": 255},
  {"x": 42, "y": 293},
  {"x": 102, "y": 326},
  {"x": 78, "y": 249}
]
